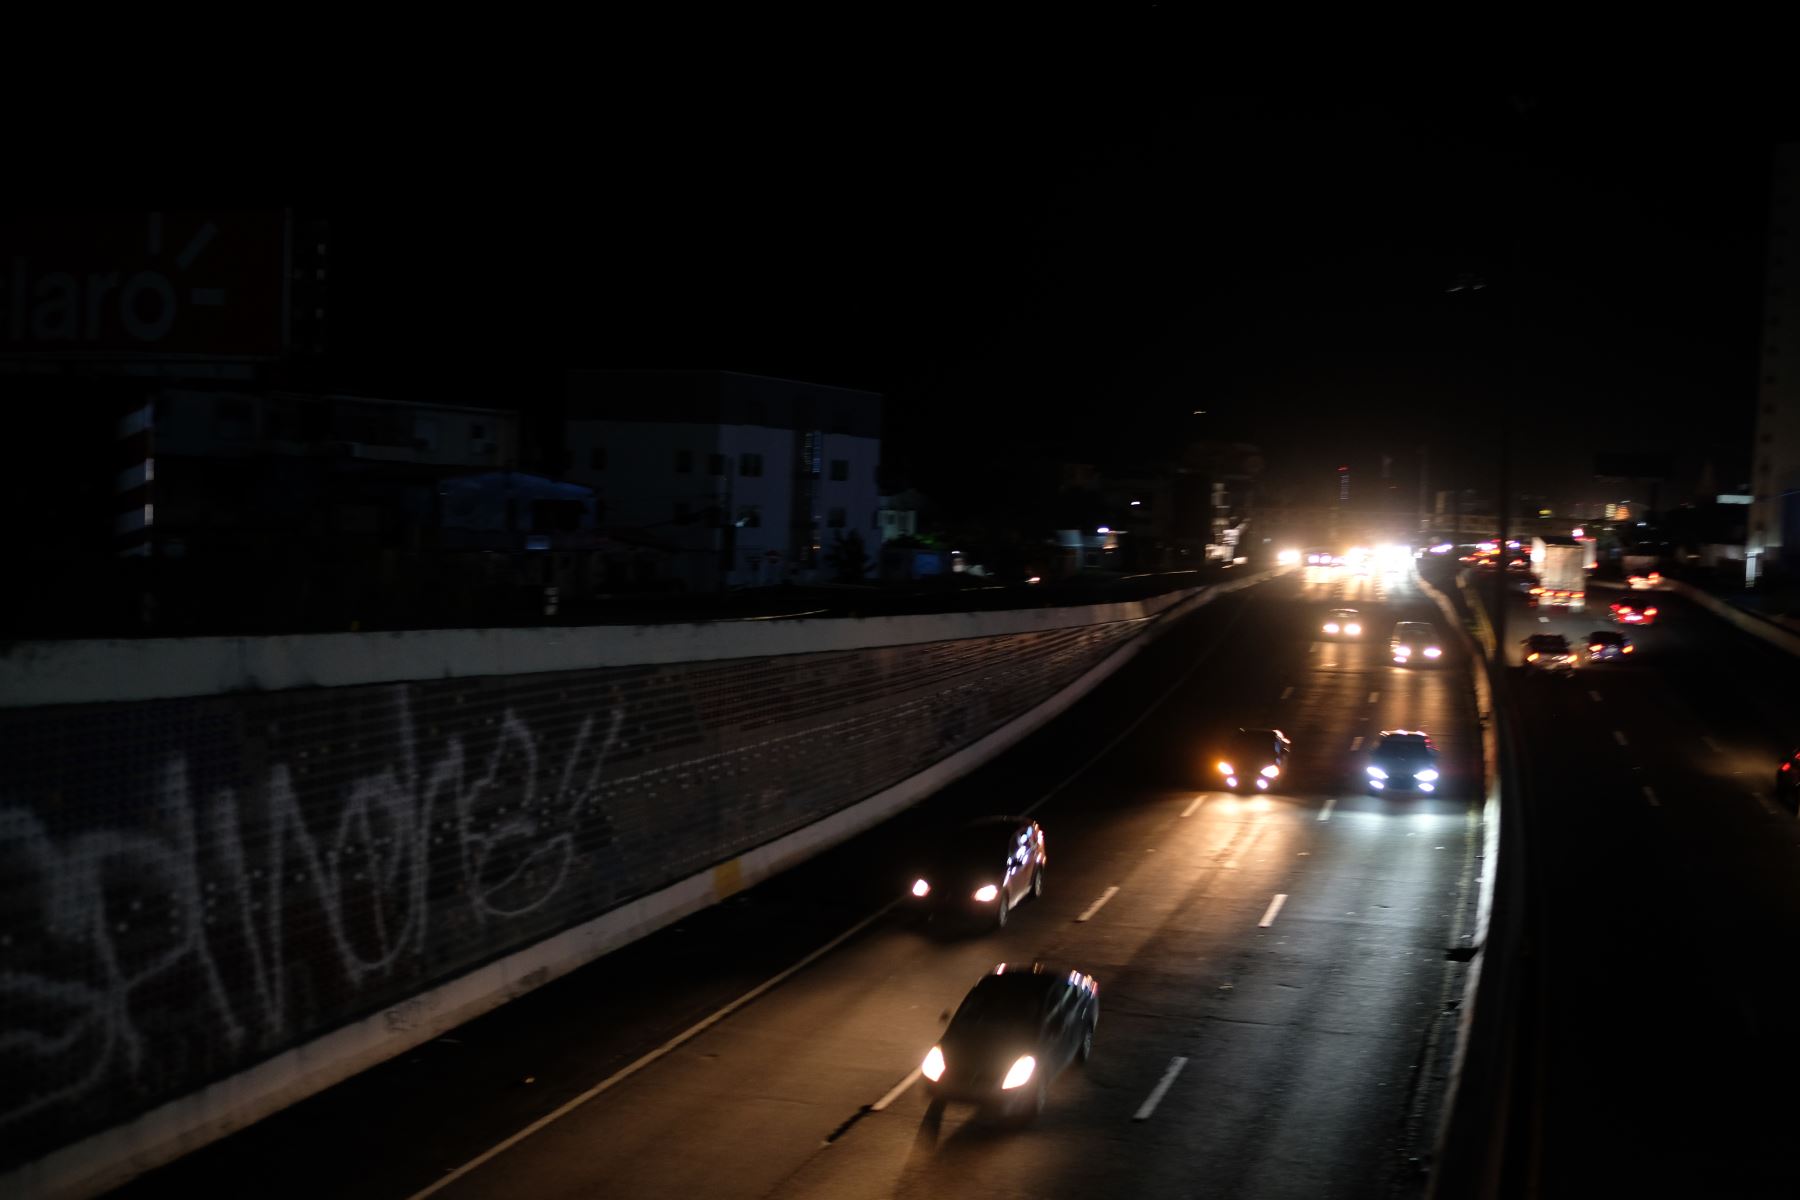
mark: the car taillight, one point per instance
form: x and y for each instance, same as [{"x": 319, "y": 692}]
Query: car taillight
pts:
[{"x": 1649, "y": 612}]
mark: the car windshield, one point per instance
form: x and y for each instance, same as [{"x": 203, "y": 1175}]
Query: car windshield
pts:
[
  {"x": 1402, "y": 748},
  {"x": 1253, "y": 745},
  {"x": 974, "y": 848},
  {"x": 1002, "y": 1000},
  {"x": 1549, "y": 641}
]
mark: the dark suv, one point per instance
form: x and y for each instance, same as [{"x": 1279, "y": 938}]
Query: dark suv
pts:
[{"x": 1253, "y": 759}]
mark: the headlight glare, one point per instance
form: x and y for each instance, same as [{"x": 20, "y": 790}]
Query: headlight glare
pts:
[
  {"x": 933, "y": 1066},
  {"x": 1432, "y": 652},
  {"x": 986, "y": 892},
  {"x": 1377, "y": 773},
  {"x": 1428, "y": 774},
  {"x": 1271, "y": 772},
  {"x": 1225, "y": 768},
  {"x": 921, "y": 888},
  {"x": 1353, "y": 629},
  {"x": 1020, "y": 1074}
]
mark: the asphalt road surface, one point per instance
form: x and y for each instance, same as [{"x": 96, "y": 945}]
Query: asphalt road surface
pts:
[
  {"x": 1278, "y": 1008},
  {"x": 1672, "y": 883}
]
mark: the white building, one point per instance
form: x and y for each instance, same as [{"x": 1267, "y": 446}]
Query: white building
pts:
[
  {"x": 1774, "y": 532},
  {"x": 752, "y": 479}
]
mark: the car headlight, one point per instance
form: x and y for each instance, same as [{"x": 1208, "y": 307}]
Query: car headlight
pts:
[
  {"x": 1353, "y": 630},
  {"x": 1426, "y": 787},
  {"x": 1532, "y": 657},
  {"x": 1428, "y": 774},
  {"x": 1432, "y": 652},
  {"x": 921, "y": 888},
  {"x": 1225, "y": 768},
  {"x": 1331, "y": 627},
  {"x": 1270, "y": 772},
  {"x": 1020, "y": 1073},
  {"x": 933, "y": 1066},
  {"x": 986, "y": 892},
  {"x": 1377, "y": 773}
]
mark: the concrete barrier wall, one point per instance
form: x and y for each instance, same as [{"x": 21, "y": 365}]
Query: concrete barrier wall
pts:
[{"x": 221, "y": 901}]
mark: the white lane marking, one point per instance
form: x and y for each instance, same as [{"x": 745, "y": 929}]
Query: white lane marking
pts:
[
  {"x": 1374, "y": 696},
  {"x": 1767, "y": 803},
  {"x": 1162, "y": 1086},
  {"x": 626, "y": 1072},
  {"x": 1356, "y": 742},
  {"x": 1651, "y": 797},
  {"x": 1595, "y": 695},
  {"x": 1325, "y": 813},
  {"x": 1710, "y": 744},
  {"x": 899, "y": 1090},
  {"x": 1193, "y": 808},
  {"x": 1619, "y": 737},
  {"x": 1287, "y": 691},
  {"x": 1093, "y": 908},
  {"x": 1274, "y": 907}
]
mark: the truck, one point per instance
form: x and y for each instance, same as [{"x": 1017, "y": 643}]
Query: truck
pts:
[{"x": 1562, "y": 573}]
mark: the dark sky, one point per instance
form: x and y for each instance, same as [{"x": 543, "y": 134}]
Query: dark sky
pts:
[{"x": 1079, "y": 257}]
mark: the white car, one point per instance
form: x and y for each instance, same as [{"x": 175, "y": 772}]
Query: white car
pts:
[{"x": 1415, "y": 643}]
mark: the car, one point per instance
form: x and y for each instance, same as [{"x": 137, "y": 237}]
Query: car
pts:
[
  {"x": 1549, "y": 653},
  {"x": 1415, "y": 642},
  {"x": 1627, "y": 614},
  {"x": 1605, "y": 645},
  {"x": 1318, "y": 556},
  {"x": 1787, "y": 781},
  {"x": 1403, "y": 760},
  {"x": 1254, "y": 758},
  {"x": 1645, "y": 583},
  {"x": 1012, "y": 1035},
  {"x": 977, "y": 873},
  {"x": 1345, "y": 621}
]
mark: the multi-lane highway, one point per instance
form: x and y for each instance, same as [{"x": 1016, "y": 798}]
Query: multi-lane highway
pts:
[
  {"x": 1671, "y": 887},
  {"x": 1278, "y": 1004}
]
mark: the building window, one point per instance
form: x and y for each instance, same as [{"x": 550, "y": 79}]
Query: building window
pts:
[
  {"x": 715, "y": 464},
  {"x": 750, "y": 464},
  {"x": 597, "y": 458},
  {"x": 840, "y": 470},
  {"x": 684, "y": 462},
  {"x": 835, "y": 518}
]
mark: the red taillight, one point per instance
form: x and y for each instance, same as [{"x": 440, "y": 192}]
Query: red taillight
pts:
[{"x": 1787, "y": 766}]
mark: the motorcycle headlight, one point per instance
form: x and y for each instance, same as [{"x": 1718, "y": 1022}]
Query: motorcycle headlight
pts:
[
  {"x": 1020, "y": 1073},
  {"x": 933, "y": 1066}
]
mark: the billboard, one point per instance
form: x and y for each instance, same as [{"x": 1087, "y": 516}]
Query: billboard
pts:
[{"x": 192, "y": 285}]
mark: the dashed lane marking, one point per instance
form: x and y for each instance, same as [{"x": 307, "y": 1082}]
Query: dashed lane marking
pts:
[
  {"x": 1268, "y": 918},
  {"x": 1095, "y": 907},
  {"x": 1650, "y": 795},
  {"x": 1194, "y": 807},
  {"x": 1325, "y": 813},
  {"x": 1161, "y": 1088}
]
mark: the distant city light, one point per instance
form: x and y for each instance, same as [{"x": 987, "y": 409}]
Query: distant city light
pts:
[
  {"x": 1733, "y": 499},
  {"x": 1135, "y": 503},
  {"x": 1103, "y": 529}
]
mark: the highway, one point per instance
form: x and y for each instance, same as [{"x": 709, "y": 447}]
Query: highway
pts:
[
  {"x": 1672, "y": 893},
  {"x": 1278, "y": 1005}
]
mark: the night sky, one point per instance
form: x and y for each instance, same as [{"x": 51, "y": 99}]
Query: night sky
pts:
[{"x": 1078, "y": 260}]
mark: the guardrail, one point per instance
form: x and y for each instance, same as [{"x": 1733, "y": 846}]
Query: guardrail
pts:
[{"x": 1487, "y": 1142}]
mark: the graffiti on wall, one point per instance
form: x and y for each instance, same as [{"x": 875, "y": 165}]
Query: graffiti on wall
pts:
[{"x": 212, "y": 888}]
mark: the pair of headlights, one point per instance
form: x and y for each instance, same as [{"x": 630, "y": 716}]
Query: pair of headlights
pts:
[
  {"x": 1017, "y": 1076},
  {"x": 984, "y": 893},
  {"x": 1428, "y": 775}
]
